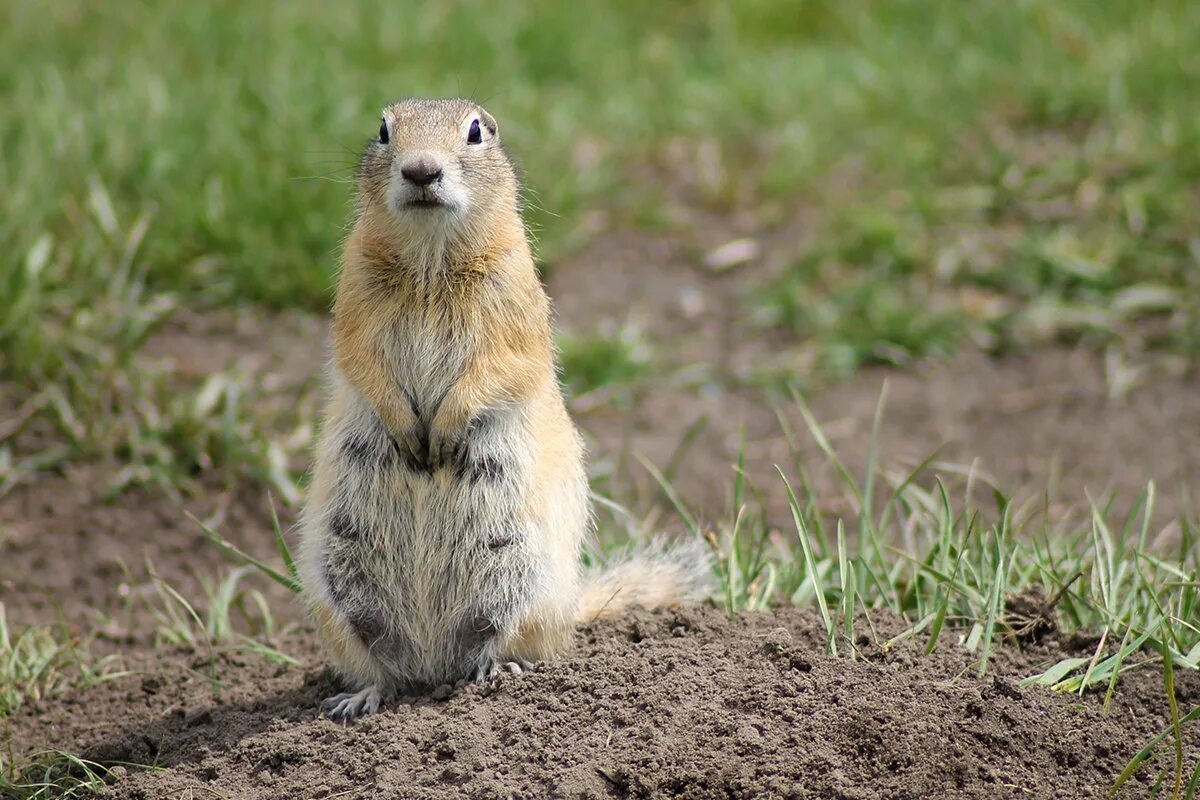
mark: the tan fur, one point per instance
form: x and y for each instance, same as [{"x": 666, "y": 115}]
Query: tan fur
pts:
[
  {"x": 658, "y": 577},
  {"x": 449, "y": 499}
]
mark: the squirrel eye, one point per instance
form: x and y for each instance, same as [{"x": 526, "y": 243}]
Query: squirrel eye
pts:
[
  {"x": 383, "y": 131},
  {"x": 474, "y": 136}
]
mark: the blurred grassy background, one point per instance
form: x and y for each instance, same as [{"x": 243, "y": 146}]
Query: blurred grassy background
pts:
[
  {"x": 220, "y": 119},
  {"x": 1007, "y": 172}
]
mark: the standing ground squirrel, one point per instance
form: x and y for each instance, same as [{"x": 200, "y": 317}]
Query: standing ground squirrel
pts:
[{"x": 449, "y": 501}]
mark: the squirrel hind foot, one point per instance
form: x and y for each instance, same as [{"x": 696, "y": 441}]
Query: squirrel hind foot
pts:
[{"x": 347, "y": 707}]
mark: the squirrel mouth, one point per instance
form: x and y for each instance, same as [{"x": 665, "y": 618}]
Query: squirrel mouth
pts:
[{"x": 424, "y": 202}]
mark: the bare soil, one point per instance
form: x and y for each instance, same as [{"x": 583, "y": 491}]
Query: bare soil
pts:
[
  {"x": 683, "y": 703},
  {"x": 1055, "y": 419}
]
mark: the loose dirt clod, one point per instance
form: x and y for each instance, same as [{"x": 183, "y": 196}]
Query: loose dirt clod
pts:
[
  {"x": 701, "y": 706},
  {"x": 1029, "y": 617}
]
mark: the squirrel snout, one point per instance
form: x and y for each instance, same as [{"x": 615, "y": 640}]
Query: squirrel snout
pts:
[{"x": 421, "y": 170}]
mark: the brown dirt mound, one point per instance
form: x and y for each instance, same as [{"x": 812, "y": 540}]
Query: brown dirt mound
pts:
[{"x": 687, "y": 703}]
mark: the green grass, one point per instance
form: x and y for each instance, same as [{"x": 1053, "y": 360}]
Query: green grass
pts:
[
  {"x": 39, "y": 661},
  {"x": 221, "y": 144},
  {"x": 55, "y": 775},
  {"x": 1005, "y": 173},
  {"x": 604, "y": 359},
  {"x": 860, "y": 297},
  {"x": 72, "y": 339},
  {"x": 229, "y": 617},
  {"x": 287, "y": 577},
  {"x": 954, "y": 560}
]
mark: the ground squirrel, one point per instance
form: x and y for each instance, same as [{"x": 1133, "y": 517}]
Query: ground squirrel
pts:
[{"x": 449, "y": 502}]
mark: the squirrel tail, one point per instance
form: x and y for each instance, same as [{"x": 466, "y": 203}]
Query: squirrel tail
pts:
[{"x": 655, "y": 577}]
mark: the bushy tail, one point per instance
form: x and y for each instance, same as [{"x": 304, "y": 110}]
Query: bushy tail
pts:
[{"x": 654, "y": 577}]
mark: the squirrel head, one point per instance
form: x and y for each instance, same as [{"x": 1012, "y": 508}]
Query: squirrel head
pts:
[{"x": 437, "y": 170}]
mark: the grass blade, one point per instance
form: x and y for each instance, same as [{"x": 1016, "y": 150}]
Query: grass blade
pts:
[
  {"x": 288, "y": 582},
  {"x": 810, "y": 564}
]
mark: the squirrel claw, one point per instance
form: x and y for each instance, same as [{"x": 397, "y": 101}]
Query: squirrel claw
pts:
[
  {"x": 446, "y": 450},
  {"x": 346, "y": 707}
]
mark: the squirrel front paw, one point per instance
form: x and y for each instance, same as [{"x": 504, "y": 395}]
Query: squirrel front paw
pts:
[
  {"x": 413, "y": 447},
  {"x": 446, "y": 448}
]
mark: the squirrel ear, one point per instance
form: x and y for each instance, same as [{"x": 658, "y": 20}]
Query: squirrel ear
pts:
[{"x": 488, "y": 121}]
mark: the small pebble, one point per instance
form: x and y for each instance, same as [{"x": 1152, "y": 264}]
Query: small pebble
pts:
[
  {"x": 777, "y": 641},
  {"x": 732, "y": 254}
]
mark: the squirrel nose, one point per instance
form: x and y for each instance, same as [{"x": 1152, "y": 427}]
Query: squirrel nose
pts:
[{"x": 422, "y": 171}]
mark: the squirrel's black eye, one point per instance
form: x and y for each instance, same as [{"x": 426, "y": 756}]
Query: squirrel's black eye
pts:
[
  {"x": 474, "y": 136},
  {"x": 383, "y": 134}
]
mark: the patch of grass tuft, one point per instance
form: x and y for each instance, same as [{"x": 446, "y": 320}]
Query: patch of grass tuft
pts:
[
  {"x": 74, "y": 375},
  {"x": 863, "y": 299},
  {"x": 953, "y": 566},
  {"x": 56, "y": 775},
  {"x": 42, "y": 660},
  {"x": 1014, "y": 173},
  {"x": 230, "y": 617},
  {"x": 604, "y": 359}
]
